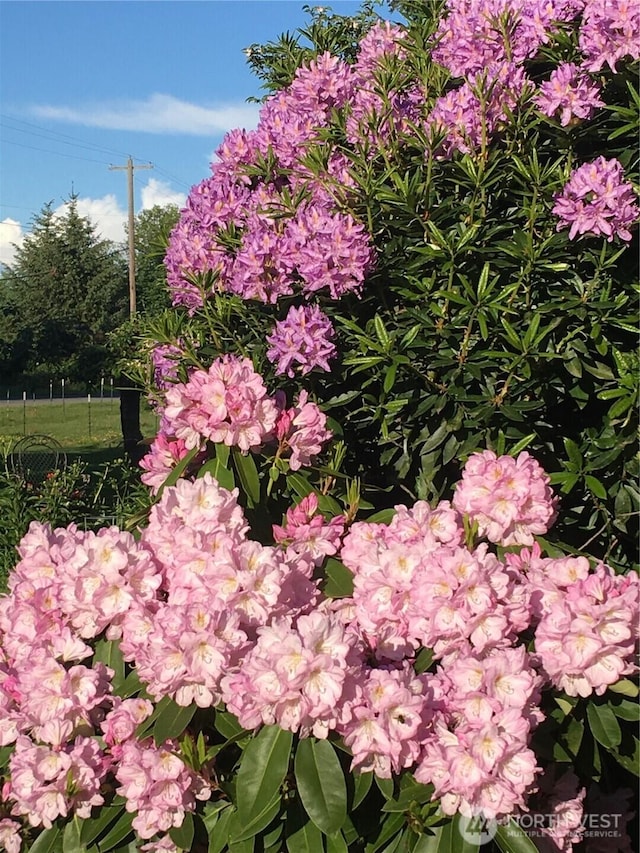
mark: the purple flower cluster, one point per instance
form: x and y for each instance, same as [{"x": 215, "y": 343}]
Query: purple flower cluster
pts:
[
  {"x": 610, "y": 31},
  {"x": 481, "y": 35},
  {"x": 247, "y": 232},
  {"x": 471, "y": 114},
  {"x": 597, "y": 200},
  {"x": 571, "y": 92},
  {"x": 302, "y": 341}
]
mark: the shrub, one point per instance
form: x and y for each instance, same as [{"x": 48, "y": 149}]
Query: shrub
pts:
[{"x": 417, "y": 262}]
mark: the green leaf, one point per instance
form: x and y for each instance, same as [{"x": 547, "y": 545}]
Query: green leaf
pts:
[
  {"x": 219, "y": 472},
  {"x": 227, "y": 724},
  {"x": 336, "y": 844},
  {"x": 93, "y": 827},
  {"x": 604, "y": 726},
  {"x": 241, "y": 832},
  {"x": 435, "y": 439},
  {"x": 385, "y": 786},
  {"x": 629, "y": 762},
  {"x": 625, "y": 687},
  {"x": 118, "y": 832},
  {"x": 521, "y": 445},
  {"x": 299, "y": 484},
  {"x": 108, "y": 652},
  {"x": 391, "y": 827},
  {"x": 182, "y": 836},
  {"x": 626, "y": 710},
  {"x": 264, "y": 765},
  {"x": 339, "y": 583},
  {"x": 321, "y": 784},
  {"x": 48, "y": 841},
  {"x": 302, "y": 835},
  {"x": 381, "y": 332},
  {"x": 511, "y": 838},
  {"x": 573, "y": 452},
  {"x": 423, "y": 661},
  {"x": 248, "y": 474},
  {"x": 595, "y": 486},
  {"x": 172, "y": 721},
  {"x": 384, "y": 516},
  {"x": 178, "y": 471},
  {"x": 362, "y": 785},
  {"x": 219, "y": 831},
  {"x": 71, "y": 837}
]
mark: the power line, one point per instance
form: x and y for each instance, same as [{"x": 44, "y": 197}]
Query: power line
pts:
[
  {"x": 50, "y": 151},
  {"x": 81, "y": 143}
]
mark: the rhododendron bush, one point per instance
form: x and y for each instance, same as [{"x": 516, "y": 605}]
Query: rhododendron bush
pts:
[{"x": 381, "y": 600}]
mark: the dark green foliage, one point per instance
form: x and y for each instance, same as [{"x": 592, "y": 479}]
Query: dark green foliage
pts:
[
  {"x": 482, "y": 324},
  {"x": 275, "y": 63},
  {"x": 65, "y": 290}
]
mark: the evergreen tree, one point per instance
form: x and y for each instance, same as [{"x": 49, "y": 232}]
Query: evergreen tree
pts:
[
  {"x": 152, "y": 229},
  {"x": 67, "y": 288}
]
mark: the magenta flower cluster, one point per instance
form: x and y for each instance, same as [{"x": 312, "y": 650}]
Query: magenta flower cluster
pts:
[
  {"x": 207, "y": 615},
  {"x": 302, "y": 341},
  {"x": 247, "y": 232},
  {"x": 597, "y": 200},
  {"x": 571, "y": 92}
]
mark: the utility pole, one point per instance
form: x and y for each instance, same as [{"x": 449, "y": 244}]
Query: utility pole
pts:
[
  {"x": 129, "y": 394},
  {"x": 132, "y": 247}
]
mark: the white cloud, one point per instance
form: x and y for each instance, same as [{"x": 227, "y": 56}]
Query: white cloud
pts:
[
  {"x": 159, "y": 113},
  {"x": 160, "y": 193},
  {"x": 11, "y": 234},
  {"x": 105, "y": 213}
]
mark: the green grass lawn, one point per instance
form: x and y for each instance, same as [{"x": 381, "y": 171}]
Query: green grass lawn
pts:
[{"x": 91, "y": 431}]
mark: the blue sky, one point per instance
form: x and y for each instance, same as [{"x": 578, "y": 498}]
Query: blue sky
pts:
[{"x": 85, "y": 84}]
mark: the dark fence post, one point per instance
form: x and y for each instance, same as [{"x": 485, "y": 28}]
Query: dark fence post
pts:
[{"x": 130, "y": 420}]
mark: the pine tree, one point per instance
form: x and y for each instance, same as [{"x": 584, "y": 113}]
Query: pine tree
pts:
[{"x": 67, "y": 288}]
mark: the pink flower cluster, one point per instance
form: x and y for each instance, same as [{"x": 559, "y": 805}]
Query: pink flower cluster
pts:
[
  {"x": 597, "y": 200},
  {"x": 385, "y": 720},
  {"x": 218, "y": 588},
  {"x": 206, "y": 615},
  {"x": 306, "y": 531},
  {"x": 227, "y": 404},
  {"x": 510, "y": 499},
  {"x": 48, "y": 783},
  {"x": 469, "y": 116},
  {"x": 302, "y": 341},
  {"x": 301, "y": 432},
  {"x": 587, "y": 624},
  {"x": 157, "y": 785},
  {"x": 571, "y": 92},
  {"x": 477, "y": 757},
  {"x": 294, "y": 675},
  {"x": 10, "y": 835},
  {"x": 164, "y": 454}
]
